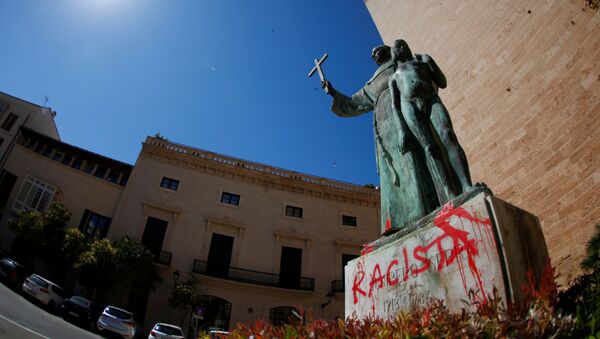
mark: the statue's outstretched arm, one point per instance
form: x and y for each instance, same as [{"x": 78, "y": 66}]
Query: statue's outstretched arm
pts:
[
  {"x": 358, "y": 104},
  {"x": 437, "y": 75}
]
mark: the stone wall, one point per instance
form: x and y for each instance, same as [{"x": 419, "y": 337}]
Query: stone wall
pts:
[{"x": 523, "y": 92}]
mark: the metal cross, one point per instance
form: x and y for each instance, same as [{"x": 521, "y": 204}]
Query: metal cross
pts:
[{"x": 317, "y": 68}]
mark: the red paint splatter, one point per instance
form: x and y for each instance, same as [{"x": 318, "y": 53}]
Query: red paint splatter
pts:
[
  {"x": 368, "y": 248},
  {"x": 388, "y": 224},
  {"x": 376, "y": 278},
  {"x": 358, "y": 279},
  {"x": 461, "y": 243},
  {"x": 405, "y": 273}
]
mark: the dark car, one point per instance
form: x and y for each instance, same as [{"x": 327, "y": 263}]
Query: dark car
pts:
[
  {"x": 80, "y": 310},
  {"x": 12, "y": 273}
]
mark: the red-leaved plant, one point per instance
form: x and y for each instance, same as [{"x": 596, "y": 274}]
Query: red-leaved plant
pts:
[{"x": 537, "y": 317}]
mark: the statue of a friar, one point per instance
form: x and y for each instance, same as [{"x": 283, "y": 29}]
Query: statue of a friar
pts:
[{"x": 415, "y": 177}]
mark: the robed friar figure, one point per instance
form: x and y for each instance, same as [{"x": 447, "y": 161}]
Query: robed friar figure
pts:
[{"x": 407, "y": 191}]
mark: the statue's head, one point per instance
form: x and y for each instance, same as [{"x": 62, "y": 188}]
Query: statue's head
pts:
[
  {"x": 400, "y": 51},
  {"x": 381, "y": 54}
]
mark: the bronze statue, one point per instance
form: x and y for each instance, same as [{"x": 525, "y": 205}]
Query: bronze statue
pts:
[
  {"x": 407, "y": 190},
  {"x": 417, "y": 152},
  {"x": 415, "y": 83}
]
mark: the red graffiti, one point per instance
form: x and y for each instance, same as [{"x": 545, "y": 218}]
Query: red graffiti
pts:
[
  {"x": 461, "y": 243},
  {"x": 356, "y": 285},
  {"x": 462, "y": 247},
  {"x": 368, "y": 248},
  {"x": 376, "y": 277},
  {"x": 388, "y": 224}
]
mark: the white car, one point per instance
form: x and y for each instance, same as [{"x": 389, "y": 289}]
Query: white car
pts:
[
  {"x": 165, "y": 331},
  {"x": 118, "y": 321},
  {"x": 45, "y": 291}
]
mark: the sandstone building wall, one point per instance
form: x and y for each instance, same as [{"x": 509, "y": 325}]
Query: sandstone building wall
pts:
[{"x": 523, "y": 92}]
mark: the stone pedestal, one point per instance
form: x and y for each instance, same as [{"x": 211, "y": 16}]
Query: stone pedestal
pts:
[{"x": 475, "y": 243}]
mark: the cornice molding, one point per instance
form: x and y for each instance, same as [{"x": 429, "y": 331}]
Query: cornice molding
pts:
[{"x": 263, "y": 175}]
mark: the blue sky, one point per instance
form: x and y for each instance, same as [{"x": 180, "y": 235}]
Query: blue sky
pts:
[{"x": 229, "y": 76}]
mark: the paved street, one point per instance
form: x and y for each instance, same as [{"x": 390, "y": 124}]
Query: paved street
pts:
[{"x": 19, "y": 318}]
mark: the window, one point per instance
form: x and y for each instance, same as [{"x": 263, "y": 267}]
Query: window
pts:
[
  {"x": 282, "y": 315},
  {"x": 57, "y": 156},
  {"x": 39, "y": 147},
  {"x": 47, "y": 151},
  {"x": 290, "y": 267},
  {"x": 34, "y": 195},
  {"x": 7, "y": 181},
  {"x": 77, "y": 163},
  {"x": 169, "y": 183},
  {"x": 9, "y": 121},
  {"x": 94, "y": 225},
  {"x": 348, "y": 220},
  {"x": 89, "y": 168},
  {"x": 3, "y": 106},
  {"x": 230, "y": 198},
  {"x": 293, "y": 211},
  {"x": 154, "y": 235},
  {"x": 67, "y": 159},
  {"x": 100, "y": 172},
  {"x": 112, "y": 177},
  {"x": 219, "y": 255}
]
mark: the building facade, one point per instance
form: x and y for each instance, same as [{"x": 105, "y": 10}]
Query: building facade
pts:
[
  {"x": 258, "y": 238},
  {"x": 524, "y": 96},
  {"x": 261, "y": 241},
  {"x": 15, "y": 112}
]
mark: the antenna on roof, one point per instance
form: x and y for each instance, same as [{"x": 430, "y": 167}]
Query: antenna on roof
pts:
[{"x": 46, "y": 98}]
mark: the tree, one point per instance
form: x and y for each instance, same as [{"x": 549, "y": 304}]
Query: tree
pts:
[
  {"x": 96, "y": 264},
  {"x": 27, "y": 226},
  {"x": 105, "y": 264},
  {"x": 41, "y": 235},
  {"x": 183, "y": 296},
  {"x": 74, "y": 245},
  {"x": 134, "y": 264},
  {"x": 592, "y": 259}
]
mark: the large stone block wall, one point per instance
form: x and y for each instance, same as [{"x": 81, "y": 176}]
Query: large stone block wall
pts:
[{"x": 523, "y": 92}]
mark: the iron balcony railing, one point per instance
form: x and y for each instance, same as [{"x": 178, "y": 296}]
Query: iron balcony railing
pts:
[
  {"x": 337, "y": 286},
  {"x": 254, "y": 277},
  {"x": 163, "y": 258}
]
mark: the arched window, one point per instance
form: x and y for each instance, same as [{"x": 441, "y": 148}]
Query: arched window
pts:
[
  {"x": 282, "y": 315},
  {"x": 211, "y": 312}
]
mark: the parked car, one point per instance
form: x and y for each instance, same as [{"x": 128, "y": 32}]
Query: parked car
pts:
[
  {"x": 12, "y": 273},
  {"x": 44, "y": 291},
  {"x": 81, "y": 310},
  {"x": 117, "y": 321},
  {"x": 218, "y": 333},
  {"x": 165, "y": 331}
]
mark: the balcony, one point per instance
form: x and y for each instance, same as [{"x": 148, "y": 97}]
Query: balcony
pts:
[
  {"x": 256, "y": 277},
  {"x": 337, "y": 286},
  {"x": 163, "y": 258}
]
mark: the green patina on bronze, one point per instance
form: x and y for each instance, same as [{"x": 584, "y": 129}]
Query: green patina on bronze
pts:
[{"x": 420, "y": 163}]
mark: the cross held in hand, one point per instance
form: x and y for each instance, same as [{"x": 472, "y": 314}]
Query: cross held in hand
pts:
[{"x": 317, "y": 68}]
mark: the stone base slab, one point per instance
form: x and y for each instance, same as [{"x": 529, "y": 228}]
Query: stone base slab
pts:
[{"x": 474, "y": 244}]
